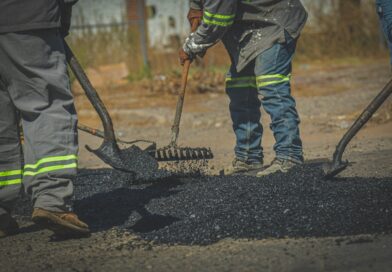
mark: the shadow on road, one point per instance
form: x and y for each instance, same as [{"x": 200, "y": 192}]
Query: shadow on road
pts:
[{"x": 205, "y": 210}]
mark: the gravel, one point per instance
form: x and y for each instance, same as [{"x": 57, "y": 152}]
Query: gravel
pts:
[{"x": 202, "y": 210}]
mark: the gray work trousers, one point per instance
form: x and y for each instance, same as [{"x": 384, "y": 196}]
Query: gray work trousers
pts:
[{"x": 35, "y": 88}]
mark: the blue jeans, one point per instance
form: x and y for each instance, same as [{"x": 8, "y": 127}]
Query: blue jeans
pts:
[
  {"x": 384, "y": 10},
  {"x": 266, "y": 82}
]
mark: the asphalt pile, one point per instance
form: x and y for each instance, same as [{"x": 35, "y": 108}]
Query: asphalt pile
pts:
[{"x": 201, "y": 210}]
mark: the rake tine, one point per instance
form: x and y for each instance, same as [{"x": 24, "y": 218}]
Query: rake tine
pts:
[
  {"x": 198, "y": 154},
  {"x": 189, "y": 154},
  {"x": 176, "y": 155}
]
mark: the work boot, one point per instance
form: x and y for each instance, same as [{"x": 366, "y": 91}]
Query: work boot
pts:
[
  {"x": 239, "y": 166},
  {"x": 8, "y": 226},
  {"x": 277, "y": 165},
  {"x": 61, "y": 223}
]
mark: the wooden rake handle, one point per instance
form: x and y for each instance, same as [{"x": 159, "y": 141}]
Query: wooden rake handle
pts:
[{"x": 181, "y": 96}]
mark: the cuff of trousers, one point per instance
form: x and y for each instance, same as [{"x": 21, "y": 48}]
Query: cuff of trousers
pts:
[
  {"x": 48, "y": 206},
  {"x": 290, "y": 158},
  {"x": 249, "y": 160}
]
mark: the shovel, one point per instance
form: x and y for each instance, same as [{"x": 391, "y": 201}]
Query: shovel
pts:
[
  {"x": 131, "y": 159},
  {"x": 336, "y": 166}
]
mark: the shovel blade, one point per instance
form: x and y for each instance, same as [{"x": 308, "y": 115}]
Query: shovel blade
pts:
[
  {"x": 131, "y": 159},
  {"x": 331, "y": 169}
]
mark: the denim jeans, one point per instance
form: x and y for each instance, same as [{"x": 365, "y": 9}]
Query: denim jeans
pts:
[
  {"x": 266, "y": 82},
  {"x": 384, "y": 10}
]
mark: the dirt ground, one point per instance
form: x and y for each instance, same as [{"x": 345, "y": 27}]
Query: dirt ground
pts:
[{"x": 329, "y": 97}]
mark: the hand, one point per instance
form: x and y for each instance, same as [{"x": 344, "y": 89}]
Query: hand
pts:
[
  {"x": 66, "y": 14},
  {"x": 183, "y": 56},
  {"x": 195, "y": 17}
]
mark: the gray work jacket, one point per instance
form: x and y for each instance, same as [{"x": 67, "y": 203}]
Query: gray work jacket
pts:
[
  {"x": 247, "y": 27},
  {"x": 23, "y": 15}
]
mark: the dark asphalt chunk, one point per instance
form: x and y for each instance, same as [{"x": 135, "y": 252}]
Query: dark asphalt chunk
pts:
[{"x": 204, "y": 210}]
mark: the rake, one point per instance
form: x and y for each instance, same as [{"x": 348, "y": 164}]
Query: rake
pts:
[{"x": 173, "y": 152}]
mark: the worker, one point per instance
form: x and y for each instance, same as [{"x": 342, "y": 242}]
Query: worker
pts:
[
  {"x": 384, "y": 10},
  {"x": 260, "y": 37},
  {"x": 35, "y": 89}
]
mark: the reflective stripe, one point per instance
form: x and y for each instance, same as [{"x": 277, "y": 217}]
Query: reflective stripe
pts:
[
  {"x": 239, "y": 86},
  {"x": 10, "y": 173},
  {"x": 218, "y": 19},
  {"x": 241, "y": 82},
  {"x": 51, "y": 159},
  {"x": 51, "y": 169},
  {"x": 240, "y": 78},
  {"x": 273, "y": 76},
  {"x": 219, "y": 16},
  {"x": 16, "y": 174},
  {"x": 10, "y": 182},
  {"x": 212, "y": 22},
  {"x": 272, "y": 79}
]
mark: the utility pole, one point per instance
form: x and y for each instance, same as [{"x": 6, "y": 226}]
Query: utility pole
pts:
[
  {"x": 141, "y": 10},
  {"x": 136, "y": 14}
]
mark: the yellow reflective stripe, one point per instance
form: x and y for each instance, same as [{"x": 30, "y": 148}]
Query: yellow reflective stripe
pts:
[
  {"x": 240, "y": 78},
  {"x": 51, "y": 159},
  {"x": 273, "y": 76},
  {"x": 213, "y": 22},
  {"x": 241, "y": 82},
  {"x": 219, "y": 16},
  {"x": 10, "y": 182},
  {"x": 263, "y": 84},
  {"x": 238, "y": 86},
  {"x": 51, "y": 169},
  {"x": 10, "y": 173}
]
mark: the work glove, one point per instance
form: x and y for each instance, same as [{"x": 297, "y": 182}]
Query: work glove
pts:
[
  {"x": 190, "y": 50},
  {"x": 195, "y": 17}
]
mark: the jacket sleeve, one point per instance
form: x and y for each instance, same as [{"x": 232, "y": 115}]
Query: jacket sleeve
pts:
[
  {"x": 70, "y": 2},
  {"x": 218, "y": 17},
  {"x": 196, "y": 4}
]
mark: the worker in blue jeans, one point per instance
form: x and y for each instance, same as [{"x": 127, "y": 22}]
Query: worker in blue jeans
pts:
[
  {"x": 268, "y": 77},
  {"x": 260, "y": 37},
  {"x": 384, "y": 10}
]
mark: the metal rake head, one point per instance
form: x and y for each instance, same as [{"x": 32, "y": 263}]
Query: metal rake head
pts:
[{"x": 173, "y": 153}]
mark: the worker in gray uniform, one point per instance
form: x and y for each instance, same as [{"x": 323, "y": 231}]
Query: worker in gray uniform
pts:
[
  {"x": 35, "y": 88},
  {"x": 260, "y": 37}
]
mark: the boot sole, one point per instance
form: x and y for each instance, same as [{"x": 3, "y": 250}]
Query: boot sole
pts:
[{"x": 58, "y": 226}]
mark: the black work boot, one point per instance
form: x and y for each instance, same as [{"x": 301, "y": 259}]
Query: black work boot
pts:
[
  {"x": 239, "y": 166},
  {"x": 8, "y": 225}
]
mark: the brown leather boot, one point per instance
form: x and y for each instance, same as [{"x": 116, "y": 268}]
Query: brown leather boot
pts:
[
  {"x": 8, "y": 226},
  {"x": 61, "y": 223}
]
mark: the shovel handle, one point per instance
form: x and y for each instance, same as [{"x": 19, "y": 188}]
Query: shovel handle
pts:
[
  {"x": 181, "y": 96},
  {"x": 91, "y": 94}
]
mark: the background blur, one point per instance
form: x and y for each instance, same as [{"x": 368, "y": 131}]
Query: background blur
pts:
[
  {"x": 129, "y": 50},
  {"x": 144, "y": 35}
]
